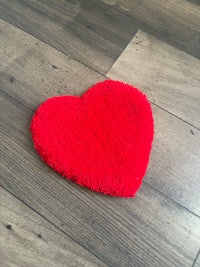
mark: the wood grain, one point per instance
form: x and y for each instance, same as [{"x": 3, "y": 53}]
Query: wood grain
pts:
[
  {"x": 31, "y": 78},
  {"x": 38, "y": 69},
  {"x": 176, "y": 10},
  {"x": 95, "y": 33},
  {"x": 176, "y": 22},
  {"x": 87, "y": 30},
  {"x": 168, "y": 76},
  {"x": 27, "y": 239},
  {"x": 175, "y": 160},
  {"x": 165, "y": 75},
  {"x": 150, "y": 230}
]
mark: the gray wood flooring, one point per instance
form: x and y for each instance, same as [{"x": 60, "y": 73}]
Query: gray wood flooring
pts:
[
  {"x": 197, "y": 261},
  {"x": 50, "y": 48},
  {"x": 95, "y": 32},
  {"x": 22, "y": 243}
]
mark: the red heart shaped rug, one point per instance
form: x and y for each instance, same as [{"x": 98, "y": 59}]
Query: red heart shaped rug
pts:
[{"x": 100, "y": 140}]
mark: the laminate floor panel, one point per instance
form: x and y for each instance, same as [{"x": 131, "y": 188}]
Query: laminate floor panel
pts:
[
  {"x": 27, "y": 239},
  {"x": 165, "y": 75},
  {"x": 149, "y": 230},
  {"x": 62, "y": 48},
  {"x": 95, "y": 32},
  {"x": 85, "y": 30},
  {"x": 168, "y": 76}
]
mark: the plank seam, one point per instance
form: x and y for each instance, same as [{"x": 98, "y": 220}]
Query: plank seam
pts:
[
  {"x": 22, "y": 201},
  {"x": 163, "y": 194},
  {"x": 98, "y": 72},
  {"x": 195, "y": 260}
]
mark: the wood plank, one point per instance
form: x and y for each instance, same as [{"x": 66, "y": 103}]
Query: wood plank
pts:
[
  {"x": 30, "y": 79},
  {"x": 87, "y": 30},
  {"x": 150, "y": 230},
  {"x": 197, "y": 262},
  {"x": 27, "y": 239},
  {"x": 34, "y": 66},
  {"x": 176, "y": 22},
  {"x": 176, "y": 10},
  {"x": 95, "y": 33},
  {"x": 175, "y": 160},
  {"x": 32, "y": 73},
  {"x": 196, "y": 2},
  {"x": 168, "y": 76},
  {"x": 160, "y": 71},
  {"x": 177, "y": 175}
]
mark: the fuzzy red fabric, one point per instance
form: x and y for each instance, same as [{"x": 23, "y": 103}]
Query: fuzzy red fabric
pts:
[{"x": 101, "y": 140}]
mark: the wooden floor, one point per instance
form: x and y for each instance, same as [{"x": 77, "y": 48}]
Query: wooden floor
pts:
[{"x": 57, "y": 47}]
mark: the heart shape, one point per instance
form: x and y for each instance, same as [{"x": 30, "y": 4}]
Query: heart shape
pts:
[{"x": 100, "y": 140}]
